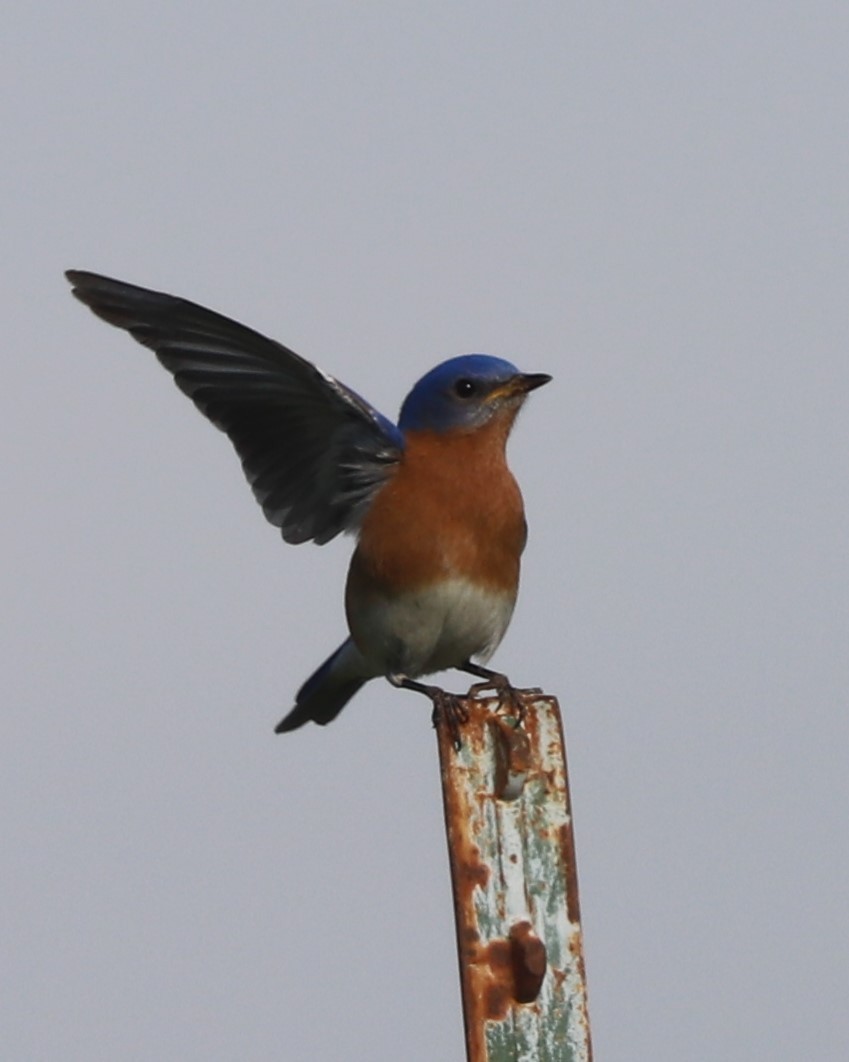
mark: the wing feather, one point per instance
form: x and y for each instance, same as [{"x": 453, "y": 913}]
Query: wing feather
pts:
[{"x": 313, "y": 451}]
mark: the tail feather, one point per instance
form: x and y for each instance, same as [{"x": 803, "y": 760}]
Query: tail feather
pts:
[{"x": 325, "y": 693}]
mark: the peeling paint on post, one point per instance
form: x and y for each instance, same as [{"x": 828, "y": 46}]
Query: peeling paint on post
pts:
[{"x": 509, "y": 823}]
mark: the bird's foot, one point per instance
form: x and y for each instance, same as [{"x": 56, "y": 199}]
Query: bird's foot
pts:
[
  {"x": 448, "y": 708},
  {"x": 449, "y": 711},
  {"x": 509, "y": 696}
]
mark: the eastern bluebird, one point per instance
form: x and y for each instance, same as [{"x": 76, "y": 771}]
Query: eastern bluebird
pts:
[{"x": 438, "y": 516}]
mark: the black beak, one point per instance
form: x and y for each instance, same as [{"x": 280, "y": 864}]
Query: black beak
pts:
[{"x": 530, "y": 381}]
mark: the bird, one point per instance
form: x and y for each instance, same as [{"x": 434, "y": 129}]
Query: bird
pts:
[{"x": 437, "y": 515}]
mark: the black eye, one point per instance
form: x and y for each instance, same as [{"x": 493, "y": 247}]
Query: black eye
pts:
[{"x": 464, "y": 388}]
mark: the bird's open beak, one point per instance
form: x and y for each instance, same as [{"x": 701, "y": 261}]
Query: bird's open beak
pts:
[{"x": 520, "y": 384}]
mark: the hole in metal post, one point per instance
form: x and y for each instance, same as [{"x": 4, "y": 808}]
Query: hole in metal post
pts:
[{"x": 512, "y": 758}]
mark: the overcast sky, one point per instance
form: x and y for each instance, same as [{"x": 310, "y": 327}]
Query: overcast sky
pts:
[{"x": 648, "y": 201}]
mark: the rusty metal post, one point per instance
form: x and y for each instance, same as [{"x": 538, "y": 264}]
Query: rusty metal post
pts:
[{"x": 509, "y": 823}]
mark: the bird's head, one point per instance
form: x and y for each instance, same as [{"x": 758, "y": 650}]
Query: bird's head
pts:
[{"x": 466, "y": 392}]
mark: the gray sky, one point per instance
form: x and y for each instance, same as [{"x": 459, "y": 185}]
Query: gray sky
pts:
[{"x": 649, "y": 201}]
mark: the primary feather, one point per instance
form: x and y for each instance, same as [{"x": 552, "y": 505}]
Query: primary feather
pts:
[{"x": 313, "y": 451}]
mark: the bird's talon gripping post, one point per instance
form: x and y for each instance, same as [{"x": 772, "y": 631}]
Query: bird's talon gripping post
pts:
[
  {"x": 509, "y": 696},
  {"x": 448, "y": 709}
]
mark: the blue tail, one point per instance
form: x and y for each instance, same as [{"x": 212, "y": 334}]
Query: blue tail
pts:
[{"x": 325, "y": 693}]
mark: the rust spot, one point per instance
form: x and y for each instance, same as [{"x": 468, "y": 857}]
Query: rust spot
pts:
[
  {"x": 576, "y": 950},
  {"x": 496, "y": 1001},
  {"x": 498, "y": 979},
  {"x": 473, "y": 873},
  {"x": 529, "y": 962},
  {"x": 567, "y": 848},
  {"x": 508, "y": 971}
]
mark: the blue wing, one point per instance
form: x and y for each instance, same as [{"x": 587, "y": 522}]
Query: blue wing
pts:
[{"x": 314, "y": 452}]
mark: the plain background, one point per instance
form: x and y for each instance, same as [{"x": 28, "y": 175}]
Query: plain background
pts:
[{"x": 649, "y": 201}]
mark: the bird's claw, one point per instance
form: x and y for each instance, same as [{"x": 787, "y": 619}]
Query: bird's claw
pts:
[
  {"x": 449, "y": 711},
  {"x": 509, "y": 696}
]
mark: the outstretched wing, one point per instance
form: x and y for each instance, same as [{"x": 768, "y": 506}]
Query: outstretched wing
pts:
[{"x": 314, "y": 452}]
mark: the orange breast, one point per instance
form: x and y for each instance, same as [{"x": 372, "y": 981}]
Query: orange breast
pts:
[{"x": 452, "y": 508}]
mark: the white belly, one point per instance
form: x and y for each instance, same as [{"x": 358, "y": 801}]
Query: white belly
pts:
[{"x": 433, "y": 629}]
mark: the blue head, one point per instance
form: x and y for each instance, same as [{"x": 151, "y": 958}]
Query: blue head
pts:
[{"x": 464, "y": 393}]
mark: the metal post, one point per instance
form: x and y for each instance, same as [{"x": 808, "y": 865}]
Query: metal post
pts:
[{"x": 511, "y": 848}]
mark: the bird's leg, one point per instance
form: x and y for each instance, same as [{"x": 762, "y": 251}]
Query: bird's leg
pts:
[
  {"x": 448, "y": 708},
  {"x": 500, "y": 685}
]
